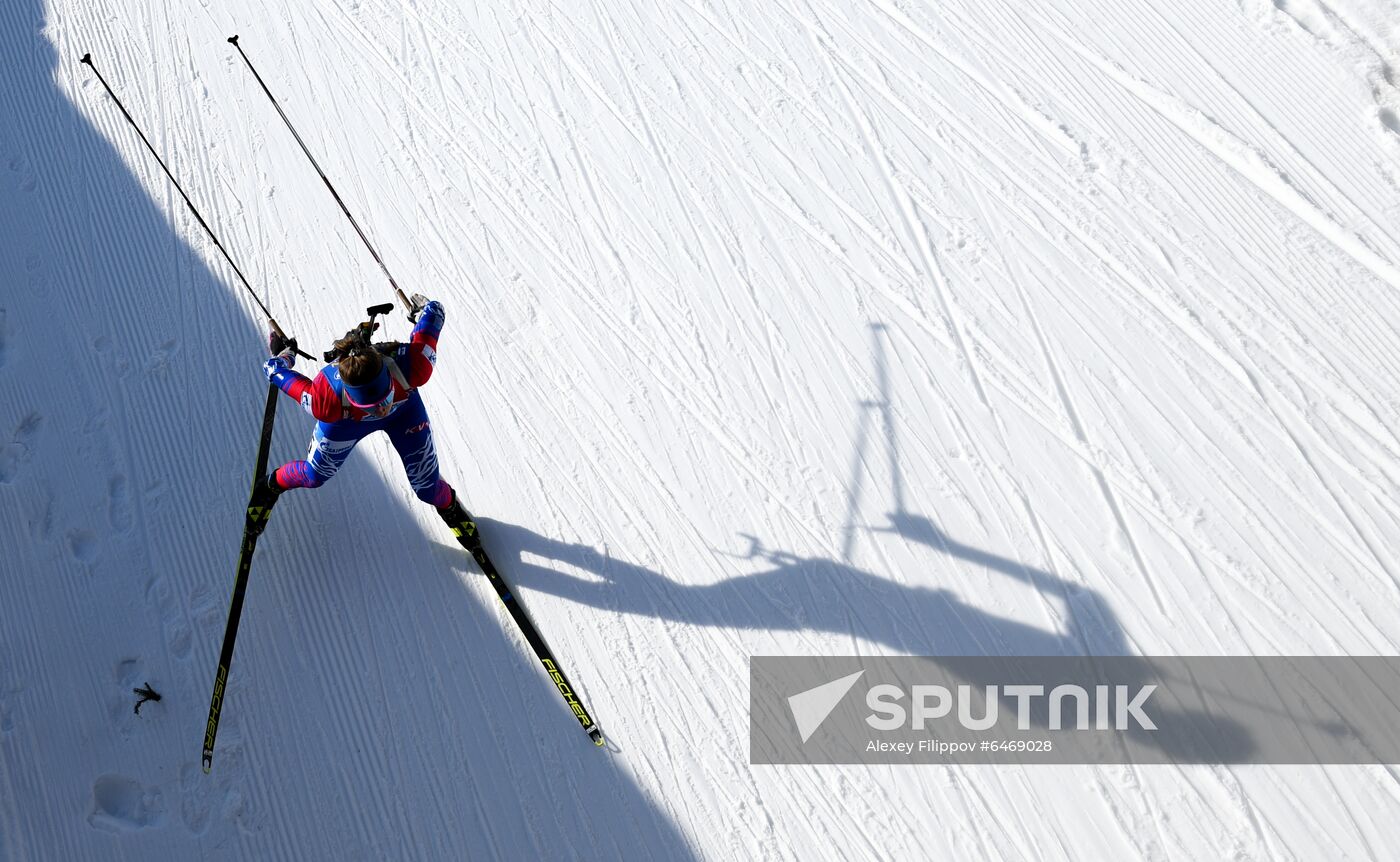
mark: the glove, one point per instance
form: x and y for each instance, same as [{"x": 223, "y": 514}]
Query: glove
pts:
[
  {"x": 279, "y": 346},
  {"x": 432, "y": 308},
  {"x": 417, "y": 302},
  {"x": 275, "y": 366}
]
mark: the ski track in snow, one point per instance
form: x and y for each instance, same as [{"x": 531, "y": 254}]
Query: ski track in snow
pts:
[{"x": 802, "y": 327}]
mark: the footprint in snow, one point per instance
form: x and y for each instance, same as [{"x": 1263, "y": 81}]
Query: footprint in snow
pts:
[
  {"x": 26, "y": 180},
  {"x": 1390, "y": 120},
  {"x": 82, "y": 545},
  {"x": 14, "y": 453},
  {"x": 175, "y": 624},
  {"x": 122, "y": 804},
  {"x": 197, "y": 793},
  {"x": 119, "y": 504}
]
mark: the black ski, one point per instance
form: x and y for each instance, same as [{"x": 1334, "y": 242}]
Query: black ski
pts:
[
  {"x": 464, "y": 528},
  {"x": 259, "y": 508}
]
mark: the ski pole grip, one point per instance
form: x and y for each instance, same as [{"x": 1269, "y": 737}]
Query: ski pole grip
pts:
[
  {"x": 299, "y": 352},
  {"x": 407, "y": 303}
]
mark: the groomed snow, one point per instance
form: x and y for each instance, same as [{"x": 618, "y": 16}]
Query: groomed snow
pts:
[{"x": 795, "y": 327}]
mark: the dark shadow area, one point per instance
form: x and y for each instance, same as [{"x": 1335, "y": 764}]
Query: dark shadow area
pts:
[
  {"x": 799, "y": 593},
  {"x": 367, "y": 716}
]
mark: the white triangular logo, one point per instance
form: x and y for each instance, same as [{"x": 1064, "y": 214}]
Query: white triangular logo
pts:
[{"x": 811, "y": 707}]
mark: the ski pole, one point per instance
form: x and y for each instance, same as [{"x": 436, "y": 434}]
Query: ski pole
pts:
[
  {"x": 87, "y": 60},
  {"x": 233, "y": 40}
]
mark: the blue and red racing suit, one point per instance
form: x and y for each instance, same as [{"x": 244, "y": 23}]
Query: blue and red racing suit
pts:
[{"x": 341, "y": 423}]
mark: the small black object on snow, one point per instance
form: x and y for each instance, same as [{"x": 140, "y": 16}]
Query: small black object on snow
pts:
[{"x": 147, "y": 693}]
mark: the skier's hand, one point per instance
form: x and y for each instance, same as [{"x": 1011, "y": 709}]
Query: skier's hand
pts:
[
  {"x": 432, "y": 308},
  {"x": 276, "y": 365},
  {"x": 417, "y": 302},
  {"x": 282, "y": 348}
]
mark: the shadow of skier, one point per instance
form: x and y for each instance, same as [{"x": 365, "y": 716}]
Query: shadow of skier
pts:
[{"x": 805, "y": 593}]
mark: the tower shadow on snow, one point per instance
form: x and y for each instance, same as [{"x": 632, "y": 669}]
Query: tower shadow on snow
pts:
[{"x": 144, "y": 368}]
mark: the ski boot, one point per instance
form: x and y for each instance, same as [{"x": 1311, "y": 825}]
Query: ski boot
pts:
[
  {"x": 459, "y": 520},
  {"x": 260, "y": 504}
]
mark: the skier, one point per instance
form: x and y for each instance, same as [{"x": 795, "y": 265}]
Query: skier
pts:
[{"x": 369, "y": 388}]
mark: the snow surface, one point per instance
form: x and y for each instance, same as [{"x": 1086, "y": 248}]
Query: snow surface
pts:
[{"x": 773, "y": 328}]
